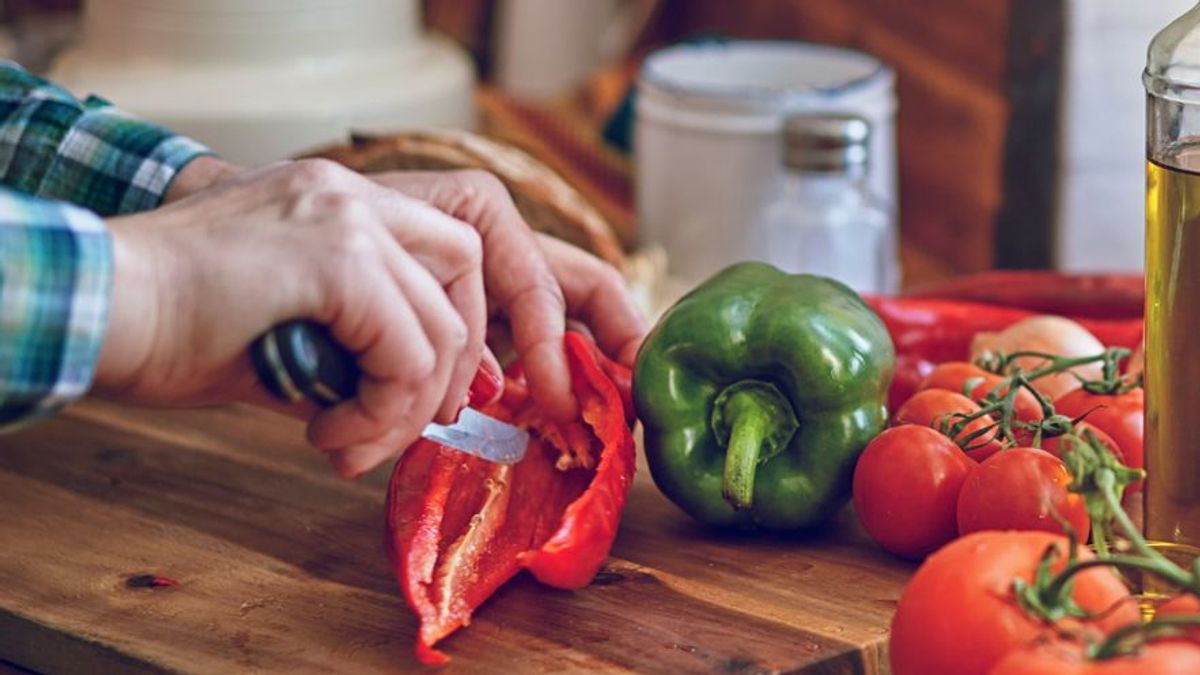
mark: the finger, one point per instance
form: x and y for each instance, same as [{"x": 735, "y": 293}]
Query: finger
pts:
[
  {"x": 355, "y": 460},
  {"x": 515, "y": 272},
  {"x": 452, "y": 251},
  {"x": 396, "y": 393},
  {"x": 595, "y": 293}
]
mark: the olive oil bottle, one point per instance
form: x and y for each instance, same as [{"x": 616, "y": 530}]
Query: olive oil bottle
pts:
[
  {"x": 1172, "y": 80},
  {"x": 1173, "y": 350}
]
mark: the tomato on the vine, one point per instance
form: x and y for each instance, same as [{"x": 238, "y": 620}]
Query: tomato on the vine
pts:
[
  {"x": 906, "y": 487},
  {"x": 959, "y": 614},
  {"x": 1058, "y": 445},
  {"x": 1021, "y": 489},
  {"x": 1063, "y": 657},
  {"x": 1121, "y": 416},
  {"x": 957, "y": 376},
  {"x": 1184, "y": 603},
  {"x": 935, "y": 407}
]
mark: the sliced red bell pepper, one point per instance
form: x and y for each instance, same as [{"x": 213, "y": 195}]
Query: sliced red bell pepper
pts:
[{"x": 460, "y": 527}]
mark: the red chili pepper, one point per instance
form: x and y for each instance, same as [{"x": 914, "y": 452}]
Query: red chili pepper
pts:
[
  {"x": 1094, "y": 296},
  {"x": 460, "y": 527}
]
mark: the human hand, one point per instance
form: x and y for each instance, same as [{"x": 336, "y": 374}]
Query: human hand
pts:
[
  {"x": 535, "y": 280},
  {"x": 397, "y": 281}
]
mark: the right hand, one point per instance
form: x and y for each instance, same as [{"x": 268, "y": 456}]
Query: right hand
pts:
[{"x": 398, "y": 282}]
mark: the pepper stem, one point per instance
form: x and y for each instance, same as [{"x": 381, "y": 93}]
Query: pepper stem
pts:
[{"x": 754, "y": 421}]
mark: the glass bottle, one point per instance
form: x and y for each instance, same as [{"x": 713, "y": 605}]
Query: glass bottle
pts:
[
  {"x": 1172, "y": 371},
  {"x": 822, "y": 217}
]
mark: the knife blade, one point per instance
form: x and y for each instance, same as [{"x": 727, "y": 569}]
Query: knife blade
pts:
[{"x": 299, "y": 360}]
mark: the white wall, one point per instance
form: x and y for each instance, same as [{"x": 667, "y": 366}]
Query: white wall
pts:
[{"x": 1101, "y": 219}]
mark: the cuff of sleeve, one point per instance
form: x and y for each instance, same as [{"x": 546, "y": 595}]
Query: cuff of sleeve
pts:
[
  {"x": 54, "y": 298},
  {"x": 114, "y": 163}
]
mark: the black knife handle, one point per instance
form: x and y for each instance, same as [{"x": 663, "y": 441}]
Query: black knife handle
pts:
[{"x": 299, "y": 360}]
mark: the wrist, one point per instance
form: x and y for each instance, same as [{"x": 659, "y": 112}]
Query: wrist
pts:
[
  {"x": 199, "y": 174},
  {"x": 132, "y": 310}
]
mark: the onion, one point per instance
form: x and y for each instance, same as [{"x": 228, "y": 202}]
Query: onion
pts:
[{"x": 1049, "y": 335}]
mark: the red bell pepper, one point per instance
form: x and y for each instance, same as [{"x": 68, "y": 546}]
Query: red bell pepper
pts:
[{"x": 460, "y": 527}]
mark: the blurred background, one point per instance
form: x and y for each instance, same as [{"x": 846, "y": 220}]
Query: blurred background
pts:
[{"x": 1019, "y": 128}]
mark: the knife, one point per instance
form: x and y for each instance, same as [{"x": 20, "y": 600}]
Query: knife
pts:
[{"x": 299, "y": 360}]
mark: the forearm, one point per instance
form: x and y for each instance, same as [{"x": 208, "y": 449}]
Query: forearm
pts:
[{"x": 55, "y": 278}]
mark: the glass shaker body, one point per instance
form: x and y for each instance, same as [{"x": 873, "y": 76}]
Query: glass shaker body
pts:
[
  {"x": 821, "y": 217},
  {"x": 829, "y": 224},
  {"x": 1172, "y": 371}
]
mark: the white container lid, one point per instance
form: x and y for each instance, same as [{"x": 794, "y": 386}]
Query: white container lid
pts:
[{"x": 748, "y": 86}]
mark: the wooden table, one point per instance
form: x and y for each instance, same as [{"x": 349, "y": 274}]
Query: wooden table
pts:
[{"x": 279, "y": 568}]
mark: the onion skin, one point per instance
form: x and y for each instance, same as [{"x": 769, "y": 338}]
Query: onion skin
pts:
[{"x": 1050, "y": 335}]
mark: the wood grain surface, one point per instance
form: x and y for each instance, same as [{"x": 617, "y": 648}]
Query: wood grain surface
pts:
[{"x": 280, "y": 568}]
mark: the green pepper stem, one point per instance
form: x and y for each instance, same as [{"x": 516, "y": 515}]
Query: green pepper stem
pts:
[
  {"x": 755, "y": 421},
  {"x": 741, "y": 457}
]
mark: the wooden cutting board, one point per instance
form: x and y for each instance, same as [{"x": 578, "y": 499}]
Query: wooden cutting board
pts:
[{"x": 280, "y": 568}]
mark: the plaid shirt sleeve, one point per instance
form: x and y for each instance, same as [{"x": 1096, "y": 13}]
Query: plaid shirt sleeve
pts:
[{"x": 56, "y": 258}]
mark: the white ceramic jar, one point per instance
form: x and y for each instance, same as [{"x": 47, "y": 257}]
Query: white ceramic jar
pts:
[
  {"x": 709, "y": 137},
  {"x": 260, "y": 80}
]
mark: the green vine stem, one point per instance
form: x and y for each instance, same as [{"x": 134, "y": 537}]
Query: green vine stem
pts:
[
  {"x": 1128, "y": 639},
  {"x": 1000, "y": 402}
]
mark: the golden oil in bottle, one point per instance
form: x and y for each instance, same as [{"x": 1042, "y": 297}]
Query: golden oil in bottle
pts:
[{"x": 1172, "y": 508}]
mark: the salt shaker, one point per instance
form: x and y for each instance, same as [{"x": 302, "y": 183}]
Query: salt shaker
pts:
[{"x": 822, "y": 217}]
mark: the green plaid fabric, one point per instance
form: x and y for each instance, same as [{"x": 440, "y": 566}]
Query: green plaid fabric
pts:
[{"x": 55, "y": 258}]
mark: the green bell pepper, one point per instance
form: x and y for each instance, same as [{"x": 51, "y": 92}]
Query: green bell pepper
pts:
[{"x": 757, "y": 391}]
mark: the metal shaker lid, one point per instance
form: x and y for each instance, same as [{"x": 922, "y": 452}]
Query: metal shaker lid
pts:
[{"x": 826, "y": 142}]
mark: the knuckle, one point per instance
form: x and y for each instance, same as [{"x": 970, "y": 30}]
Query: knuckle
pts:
[
  {"x": 305, "y": 174},
  {"x": 457, "y": 334},
  {"x": 470, "y": 247},
  {"x": 480, "y": 189},
  {"x": 609, "y": 278},
  {"x": 423, "y": 365},
  {"x": 346, "y": 249}
]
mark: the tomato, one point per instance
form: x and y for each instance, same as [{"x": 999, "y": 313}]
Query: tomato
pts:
[
  {"x": 910, "y": 371},
  {"x": 956, "y": 375},
  {"x": 1055, "y": 444},
  {"x": 929, "y": 408},
  {"x": 958, "y": 613},
  {"x": 1020, "y": 489},
  {"x": 906, "y": 487},
  {"x": 1060, "y": 657},
  {"x": 1182, "y": 604},
  {"x": 1121, "y": 416}
]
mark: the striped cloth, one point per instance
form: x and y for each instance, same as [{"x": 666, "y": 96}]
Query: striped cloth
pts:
[{"x": 65, "y": 164}]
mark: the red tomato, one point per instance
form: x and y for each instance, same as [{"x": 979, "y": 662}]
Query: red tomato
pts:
[
  {"x": 956, "y": 375},
  {"x": 930, "y": 407},
  {"x": 910, "y": 371},
  {"x": 1020, "y": 489},
  {"x": 1121, "y": 416},
  {"x": 958, "y": 614},
  {"x": 1059, "y": 657},
  {"x": 906, "y": 489},
  {"x": 1182, "y": 604},
  {"x": 1055, "y": 444}
]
